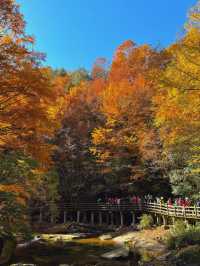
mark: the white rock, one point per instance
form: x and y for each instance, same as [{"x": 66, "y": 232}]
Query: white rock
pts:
[
  {"x": 105, "y": 237},
  {"x": 28, "y": 243},
  {"x": 116, "y": 253}
]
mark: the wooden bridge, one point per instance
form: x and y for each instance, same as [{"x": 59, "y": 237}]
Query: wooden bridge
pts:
[{"x": 120, "y": 214}]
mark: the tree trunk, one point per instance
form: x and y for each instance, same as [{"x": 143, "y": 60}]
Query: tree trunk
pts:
[{"x": 7, "y": 251}]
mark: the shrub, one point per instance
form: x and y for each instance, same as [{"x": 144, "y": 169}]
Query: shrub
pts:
[
  {"x": 146, "y": 221},
  {"x": 182, "y": 236},
  {"x": 178, "y": 228}
]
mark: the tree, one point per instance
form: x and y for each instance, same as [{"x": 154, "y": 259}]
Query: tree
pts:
[
  {"x": 127, "y": 145},
  {"x": 178, "y": 109},
  {"x": 11, "y": 20},
  {"x": 194, "y": 17},
  {"x": 24, "y": 185},
  {"x": 78, "y": 172},
  {"x": 31, "y": 99},
  {"x": 78, "y": 76},
  {"x": 19, "y": 180}
]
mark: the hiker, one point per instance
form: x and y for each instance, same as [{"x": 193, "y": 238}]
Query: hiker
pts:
[{"x": 169, "y": 202}]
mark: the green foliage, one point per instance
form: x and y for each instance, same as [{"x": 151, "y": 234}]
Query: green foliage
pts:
[
  {"x": 15, "y": 167},
  {"x": 50, "y": 192},
  {"x": 185, "y": 182},
  {"x": 178, "y": 228},
  {"x": 78, "y": 76},
  {"x": 22, "y": 184},
  {"x": 146, "y": 221},
  {"x": 16, "y": 184},
  {"x": 182, "y": 236}
]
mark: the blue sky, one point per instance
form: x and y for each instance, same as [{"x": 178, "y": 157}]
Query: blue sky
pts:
[{"x": 73, "y": 33}]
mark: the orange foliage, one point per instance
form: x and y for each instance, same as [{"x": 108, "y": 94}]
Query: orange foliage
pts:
[{"x": 127, "y": 100}]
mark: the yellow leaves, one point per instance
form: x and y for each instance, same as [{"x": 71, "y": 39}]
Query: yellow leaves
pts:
[
  {"x": 100, "y": 135},
  {"x": 53, "y": 112},
  {"x": 104, "y": 156},
  {"x": 129, "y": 141},
  {"x": 10, "y": 188},
  {"x": 38, "y": 171},
  {"x": 173, "y": 92},
  {"x": 194, "y": 17},
  {"x": 177, "y": 102},
  {"x": 111, "y": 122}
]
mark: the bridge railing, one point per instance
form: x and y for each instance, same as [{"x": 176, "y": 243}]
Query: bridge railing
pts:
[
  {"x": 189, "y": 212},
  {"x": 151, "y": 207},
  {"x": 174, "y": 211}
]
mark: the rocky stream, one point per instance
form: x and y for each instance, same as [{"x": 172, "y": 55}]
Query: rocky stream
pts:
[{"x": 81, "y": 245}]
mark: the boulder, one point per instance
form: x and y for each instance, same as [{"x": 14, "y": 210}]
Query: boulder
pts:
[
  {"x": 29, "y": 243},
  {"x": 117, "y": 253},
  {"x": 79, "y": 235},
  {"x": 105, "y": 237}
]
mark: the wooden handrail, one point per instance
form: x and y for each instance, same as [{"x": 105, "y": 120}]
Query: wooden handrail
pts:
[{"x": 190, "y": 212}]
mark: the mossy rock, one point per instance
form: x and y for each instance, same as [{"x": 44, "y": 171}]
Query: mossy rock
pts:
[{"x": 188, "y": 256}]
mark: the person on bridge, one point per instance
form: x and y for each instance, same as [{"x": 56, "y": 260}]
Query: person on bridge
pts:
[
  {"x": 198, "y": 203},
  {"x": 99, "y": 200},
  {"x": 118, "y": 201},
  {"x": 169, "y": 202}
]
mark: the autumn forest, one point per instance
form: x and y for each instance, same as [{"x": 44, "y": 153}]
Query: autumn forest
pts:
[{"x": 129, "y": 127}]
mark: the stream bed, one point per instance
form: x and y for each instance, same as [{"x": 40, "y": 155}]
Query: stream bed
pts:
[{"x": 55, "y": 250}]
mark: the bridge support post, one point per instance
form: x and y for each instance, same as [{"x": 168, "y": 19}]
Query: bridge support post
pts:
[
  {"x": 112, "y": 218},
  {"x": 164, "y": 218},
  {"x": 92, "y": 217},
  {"x": 121, "y": 219},
  {"x": 107, "y": 218},
  {"x": 133, "y": 218},
  {"x": 100, "y": 218},
  {"x": 85, "y": 217},
  {"x": 40, "y": 217},
  {"x": 78, "y": 216},
  {"x": 70, "y": 216},
  {"x": 65, "y": 217},
  {"x": 52, "y": 219},
  {"x": 158, "y": 220}
]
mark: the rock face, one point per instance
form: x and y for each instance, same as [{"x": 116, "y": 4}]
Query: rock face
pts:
[{"x": 116, "y": 253}]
